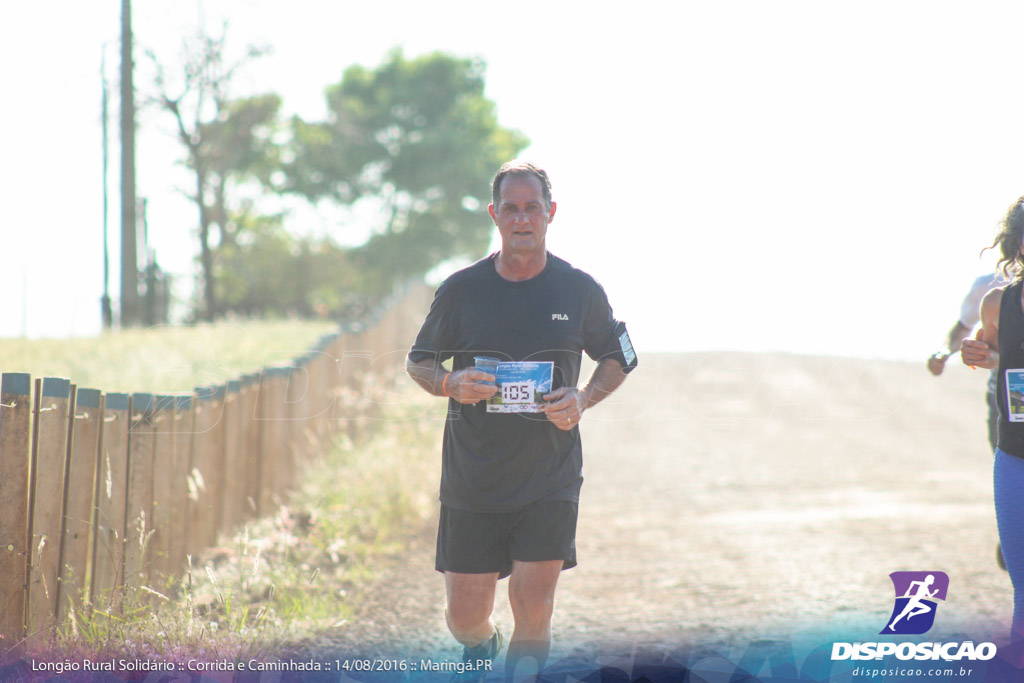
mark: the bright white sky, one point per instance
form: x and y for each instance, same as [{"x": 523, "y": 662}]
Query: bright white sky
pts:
[{"x": 803, "y": 176}]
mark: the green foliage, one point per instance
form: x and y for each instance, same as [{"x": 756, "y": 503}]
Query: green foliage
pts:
[
  {"x": 268, "y": 271},
  {"x": 227, "y": 141},
  {"x": 239, "y": 142},
  {"x": 263, "y": 271},
  {"x": 420, "y": 140},
  {"x": 416, "y": 139}
]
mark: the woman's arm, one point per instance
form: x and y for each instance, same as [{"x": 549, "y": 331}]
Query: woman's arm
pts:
[{"x": 983, "y": 350}]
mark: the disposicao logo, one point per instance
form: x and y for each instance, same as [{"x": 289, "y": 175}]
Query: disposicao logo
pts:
[{"x": 917, "y": 597}]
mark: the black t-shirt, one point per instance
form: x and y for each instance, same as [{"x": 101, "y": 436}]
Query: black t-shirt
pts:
[
  {"x": 497, "y": 462},
  {"x": 1011, "y": 357}
]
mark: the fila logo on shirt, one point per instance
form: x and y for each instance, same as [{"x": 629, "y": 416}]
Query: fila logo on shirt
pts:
[{"x": 559, "y": 316}]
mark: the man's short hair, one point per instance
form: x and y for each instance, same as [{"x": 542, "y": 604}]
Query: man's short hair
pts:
[{"x": 518, "y": 167}]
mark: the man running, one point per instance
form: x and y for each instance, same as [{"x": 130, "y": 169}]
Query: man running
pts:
[
  {"x": 970, "y": 316},
  {"x": 510, "y": 481}
]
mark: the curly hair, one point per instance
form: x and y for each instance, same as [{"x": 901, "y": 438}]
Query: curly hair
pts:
[{"x": 1009, "y": 240}]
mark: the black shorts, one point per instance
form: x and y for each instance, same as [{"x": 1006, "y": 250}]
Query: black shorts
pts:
[{"x": 484, "y": 542}]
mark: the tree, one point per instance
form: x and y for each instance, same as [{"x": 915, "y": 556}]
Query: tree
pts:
[
  {"x": 269, "y": 271},
  {"x": 419, "y": 139},
  {"x": 227, "y": 141}
]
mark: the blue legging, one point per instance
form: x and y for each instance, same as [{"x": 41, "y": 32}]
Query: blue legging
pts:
[{"x": 1008, "y": 480}]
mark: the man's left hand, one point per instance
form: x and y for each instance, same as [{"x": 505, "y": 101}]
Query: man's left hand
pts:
[{"x": 564, "y": 407}]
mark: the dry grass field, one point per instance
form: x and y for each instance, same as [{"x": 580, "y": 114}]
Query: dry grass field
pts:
[{"x": 165, "y": 359}]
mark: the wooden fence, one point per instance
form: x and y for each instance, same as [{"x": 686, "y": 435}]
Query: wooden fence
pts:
[{"x": 103, "y": 492}]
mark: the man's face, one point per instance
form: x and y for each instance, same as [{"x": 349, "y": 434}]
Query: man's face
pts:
[{"x": 521, "y": 215}]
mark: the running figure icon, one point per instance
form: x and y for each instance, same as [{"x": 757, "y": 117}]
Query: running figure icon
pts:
[
  {"x": 917, "y": 595},
  {"x": 915, "y": 605}
]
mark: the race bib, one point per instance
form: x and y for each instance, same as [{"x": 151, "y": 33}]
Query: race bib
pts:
[
  {"x": 1015, "y": 395},
  {"x": 521, "y": 387}
]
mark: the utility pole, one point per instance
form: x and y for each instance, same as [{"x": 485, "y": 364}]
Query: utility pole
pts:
[
  {"x": 106, "y": 311},
  {"x": 129, "y": 258}
]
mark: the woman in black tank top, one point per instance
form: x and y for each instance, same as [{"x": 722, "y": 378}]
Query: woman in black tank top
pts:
[{"x": 1000, "y": 344}]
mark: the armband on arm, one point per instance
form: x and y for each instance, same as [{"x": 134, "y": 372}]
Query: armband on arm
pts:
[{"x": 626, "y": 347}]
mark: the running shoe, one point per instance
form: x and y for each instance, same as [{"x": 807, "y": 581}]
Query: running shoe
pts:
[{"x": 477, "y": 659}]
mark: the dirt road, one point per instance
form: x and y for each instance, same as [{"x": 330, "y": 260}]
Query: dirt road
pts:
[{"x": 732, "y": 499}]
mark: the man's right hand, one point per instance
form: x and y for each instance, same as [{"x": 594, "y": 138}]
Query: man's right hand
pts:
[
  {"x": 937, "y": 362},
  {"x": 466, "y": 387}
]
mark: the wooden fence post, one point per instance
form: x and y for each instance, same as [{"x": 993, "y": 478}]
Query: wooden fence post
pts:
[
  {"x": 291, "y": 430},
  {"x": 233, "y": 489},
  {"x": 332, "y": 350},
  {"x": 350, "y": 362},
  {"x": 15, "y": 438},
  {"x": 181, "y": 501},
  {"x": 304, "y": 404},
  {"x": 365, "y": 380},
  {"x": 197, "y": 464},
  {"x": 216, "y": 486},
  {"x": 326, "y": 376},
  {"x": 139, "y": 520},
  {"x": 80, "y": 489},
  {"x": 165, "y": 488},
  {"x": 50, "y": 434},
  {"x": 235, "y": 449},
  {"x": 279, "y": 433},
  {"x": 251, "y": 444},
  {"x": 389, "y": 348},
  {"x": 268, "y": 414},
  {"x": 207, "y": 467},
  {"x": 264, "y": 429},
  {"x": 337, "y": 385},
  {"x": 111, "y": 497},
  {"x": 299, "y": 407},
  {"x": 311, "y": 401}
]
